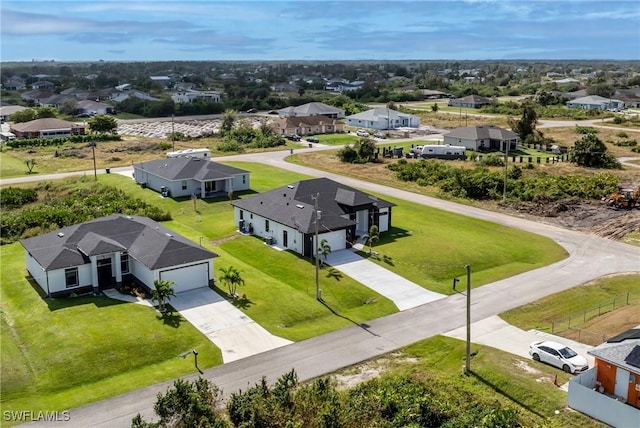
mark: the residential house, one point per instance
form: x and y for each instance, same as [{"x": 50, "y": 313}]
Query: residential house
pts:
[
  {"x": 482, "y": 138},
  {"x": 286, "y": 216},
  {"x": 630, "y": 97},
  {"x": 35, "y": 96},
  {"x": 109, "y": 251},
  {"x": 383, "y": 118},
  {"x": 93, "y": 107},
  {"x": 282, "y": 87},
  {"x": 188, "y": 176},
  {"x": 119, "y": 96},
  {"x": 165, "y": 81},
  {"x": 190, "y": 96},
  {"x": 43, "y": 84},
  {"x": 47, "y": 128},
  {"x": 7, "y": 111},
  {"x": 308, "y": 125},
  {"x": 14, "y": 83},
  {"x": 470, "y": 101},
  {"x": 56, "y": 100},
  {"x": 312, "y": 109},
  {"x": 80, "y": 94},
  {"x": 596, "y": 102},
  {"x": 610, "y": 390}
]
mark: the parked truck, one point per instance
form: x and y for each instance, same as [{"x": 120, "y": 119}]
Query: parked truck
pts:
[{"x": 439, "y": 151}]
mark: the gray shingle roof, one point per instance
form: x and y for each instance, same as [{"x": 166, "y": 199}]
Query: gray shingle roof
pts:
[
  {"x": 617, "y": 350},
  {"x": 377, "y": 114},
  {"x": 293, "y": 205},
  {"x": 182, "y": 168},
  {"x": 144, "y": 239},
  {"x": 483, "y": 132}
]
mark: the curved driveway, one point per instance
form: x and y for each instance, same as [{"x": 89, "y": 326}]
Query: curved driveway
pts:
[{"x": 590, "y": 257}]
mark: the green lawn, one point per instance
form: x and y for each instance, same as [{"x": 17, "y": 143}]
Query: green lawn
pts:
[
  {"x": 61, "y": 353},
  {"x": 540, "y": 314},
  {"x": 337, "y": 139},
  {"x": 11, "y": 166}
]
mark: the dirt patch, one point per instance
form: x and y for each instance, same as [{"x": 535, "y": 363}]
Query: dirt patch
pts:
[
  {"x": 369, "y": 370},
  {"x": 603, "y": 327}
]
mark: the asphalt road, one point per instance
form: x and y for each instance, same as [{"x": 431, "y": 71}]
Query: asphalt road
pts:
[{"x": 590, "y": 257}]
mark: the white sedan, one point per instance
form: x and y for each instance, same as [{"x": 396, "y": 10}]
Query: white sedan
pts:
[{"x": 558, "y": 355}]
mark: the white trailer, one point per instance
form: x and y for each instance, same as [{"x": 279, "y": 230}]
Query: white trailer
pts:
[
  {"x": 439, "y": 151},
  {"x": 191, "y": 153}
]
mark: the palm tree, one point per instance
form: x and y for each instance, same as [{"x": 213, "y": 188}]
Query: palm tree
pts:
[
  {"x": 228, "y": 120},
  {"x": 163, "y": 291},
  {"x": 371, "y": 237},
  {"x": 231, "y": 277},
  {"x": 324, "y": 249}
]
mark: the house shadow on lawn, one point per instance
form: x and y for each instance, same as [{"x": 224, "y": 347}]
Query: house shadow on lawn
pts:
[{"x": 57, "y": 303}]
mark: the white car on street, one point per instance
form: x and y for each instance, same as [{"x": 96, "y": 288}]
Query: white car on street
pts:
[
  {"x": 558, "y": 355},
  {"x": 362, "y": 133}
]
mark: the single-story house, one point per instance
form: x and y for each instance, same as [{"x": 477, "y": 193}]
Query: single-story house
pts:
[
  {"x": 610, "y": 390},
  {"x": 108, "y": 251},
  {"x": 596, "y": 102},
  {"x": 312, "y": 109},
  {"x": 306, "y": 125},
  {"x": 190, "y": 96},
  {"x": 93, "y": 107},
  {"x": 630, "y": 97},
  {"x": 47, "y": 128},
  {"x": 286, "y": 216},
  {"x": 7, "y": 111},
  {"x": 14, "y": 83},
  {"x": 470, "y": 101},
  {"x": 188, "y": 176},
  {"x": 483, "y": 137},
  {"x": 43, "y": 84},
  {"x": 383, "y": 118}
]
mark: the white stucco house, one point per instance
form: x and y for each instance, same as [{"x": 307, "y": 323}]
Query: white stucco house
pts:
[
  {"x": 188, "y": 176},
  {"x": 482, "y": 138},
  {"x": 109, "y": 251},
  {"x": 285, "y": 217},
  {"x": 596, "y": 102},
  {"x": 383, "y": 118},
  {"x": 191, "y": 96}
]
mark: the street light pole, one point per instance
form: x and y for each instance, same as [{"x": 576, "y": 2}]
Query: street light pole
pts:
[
  {"x": 317, "y": 218},
  {"x": 467, "y": 366}
]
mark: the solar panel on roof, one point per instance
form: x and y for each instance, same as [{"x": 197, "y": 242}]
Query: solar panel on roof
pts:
[{"x": 633, "y": 358}]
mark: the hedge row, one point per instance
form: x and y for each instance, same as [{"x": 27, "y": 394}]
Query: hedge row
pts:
[{"x": 46, "y": 142}]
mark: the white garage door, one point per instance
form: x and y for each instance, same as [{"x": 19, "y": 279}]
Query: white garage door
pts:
[
  {"x": 337, "y": 240},
  {"x": 187, "y": 277}
]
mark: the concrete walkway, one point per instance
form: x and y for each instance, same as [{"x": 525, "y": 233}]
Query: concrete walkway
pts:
[
  {"x": 405, "y": 294},
  {"x": 237, "y": 335}
]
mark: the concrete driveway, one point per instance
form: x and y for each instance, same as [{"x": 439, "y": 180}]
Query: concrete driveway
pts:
[
  {"x": 497, "y": 333},
  {"x": 237, "y": 335},
  {"x": 405, "y": 294}
]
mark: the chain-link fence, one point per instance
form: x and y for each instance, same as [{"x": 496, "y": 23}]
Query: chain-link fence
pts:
[{"x": 577, "y": 319}]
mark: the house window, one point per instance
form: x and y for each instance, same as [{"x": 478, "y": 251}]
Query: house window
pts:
[
  {"x": 124, "y": 262},
  {"x": 251, "y": 216},
  {"x": 241, "y": 215},
  {"x": 266, "y": 225},
  {"x": 184, "y": 185},
  {"x": 71, "y": 277},
  {"x": 244, "y": 179}
]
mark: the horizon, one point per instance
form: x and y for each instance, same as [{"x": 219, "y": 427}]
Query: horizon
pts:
[{"x": 312, "y": 31}]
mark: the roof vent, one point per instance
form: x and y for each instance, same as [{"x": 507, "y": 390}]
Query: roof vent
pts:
[
  {"x": 291, "y": 186},
  {"x": 60, "y": 234},
  {"x": 299, "y": 206},
  {"x": 169, "y": 235}
]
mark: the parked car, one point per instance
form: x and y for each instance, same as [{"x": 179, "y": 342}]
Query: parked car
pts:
[
  {"x": 313, "y": 140},
  {"x": 380, "y": 135},
  {"x": 294, "y": 137},
  {"x": 558, "y": 355},
  {"x": 362, "y": 133},
  {"x": 252, "y": 110},
  {"x": 273, "y": 112}
]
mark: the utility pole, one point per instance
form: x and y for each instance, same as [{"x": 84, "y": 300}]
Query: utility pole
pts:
[
  {"x": 506, "y": 161},
  {"x": 93, "y": 150},
  {"x": 467, "y": 366},
  {"x": 317, "y": 218},
  {"x": 173, "y": 135}
]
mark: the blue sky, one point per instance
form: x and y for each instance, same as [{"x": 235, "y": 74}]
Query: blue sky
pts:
[{"x": 116, "y": 30}]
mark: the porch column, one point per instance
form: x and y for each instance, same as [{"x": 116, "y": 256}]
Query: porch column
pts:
[
  {"x": 94, "y": 274},
  {"x": 203, "y": 192},
  {"x": 118, "y": 269}
]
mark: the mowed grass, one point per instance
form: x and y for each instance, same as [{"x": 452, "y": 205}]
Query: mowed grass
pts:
[
  {"x": 430, "y": 247},
  {"x": 61, "y": 353},
  {"x": 495, "y": 376},
  {"x": 541, "y": 314},
  {"x": 337, "y": 139}
]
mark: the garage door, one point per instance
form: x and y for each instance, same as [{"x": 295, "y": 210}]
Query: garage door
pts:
[
  {"x": 337, "y": 239},
  {"x": 187, "y": 277}
]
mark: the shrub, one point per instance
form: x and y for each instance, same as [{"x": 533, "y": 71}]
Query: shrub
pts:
[
  {"x": 622, "y": 134},
  {"x": 12, "y": 197},
  {"x": 229, "y": 145}
]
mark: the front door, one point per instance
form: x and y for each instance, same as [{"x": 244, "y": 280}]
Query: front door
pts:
[
  {"x": 105, "y": 276},
  {"x": 622, "y": 383}
]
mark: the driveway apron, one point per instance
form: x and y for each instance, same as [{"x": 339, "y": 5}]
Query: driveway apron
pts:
[{"x": 405, "y": 294}]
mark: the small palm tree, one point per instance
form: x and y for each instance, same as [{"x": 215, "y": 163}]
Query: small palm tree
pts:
[
  {"x": 371, "y": 237},
  {"x": 324, "y": 249},
  {"x": 231, "y": 277},
  {"x": 163, "y": 291}
]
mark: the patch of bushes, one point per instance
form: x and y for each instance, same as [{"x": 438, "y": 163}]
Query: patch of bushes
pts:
[
  {"x": 362, "y": 151},
  {"x": 624, "y": 143},
  {"x": 47, "y": 142},
  {"x": 13, "y": 197},
  {"x": 584, "y": 130},
  {"x": 68, "y": 205}
]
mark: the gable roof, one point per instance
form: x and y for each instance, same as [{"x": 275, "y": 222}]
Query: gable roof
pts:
[
  {"x": 293, "y": 205},
  {"x": 312, "y": 109},
  {"x": 381, "y": 113},
  {"x": 593, "y": 99},
  {"x": 296, "y": 121},
  {"x": 483, "y": 132},
  {"x": 473, "y": 99},
  {"x": 144, "y": 239},
  {"x": 622, "y": 350},
  {"x": 182, "y": 168},
  {"x": 45, "y": 124}
]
